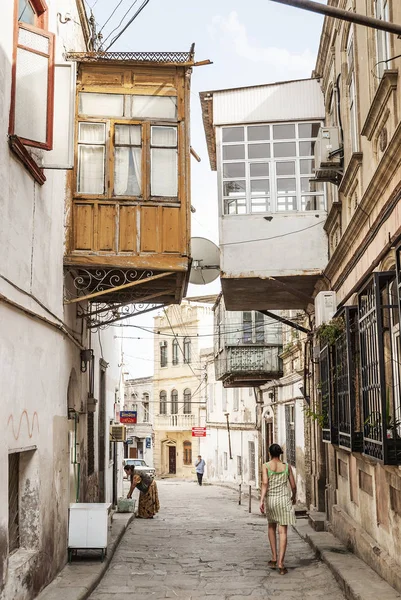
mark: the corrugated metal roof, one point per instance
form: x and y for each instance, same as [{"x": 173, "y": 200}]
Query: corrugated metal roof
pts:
[{"x": 287, "y": 101}]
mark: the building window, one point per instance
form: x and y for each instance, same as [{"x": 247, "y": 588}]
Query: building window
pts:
[
  {"x": 145, "y": 402},
  {"x": 211, "y": 397},
  {"x": 143, "y": 156},
  {"x": 253, "y": 327},
  {"x": 31, "y": 112},
  {"x": 187, "y": 350},
  {"x": 224, "y": 399},
  {"x": 382, "y": 37},
  {"x": 163, "y": 354},
  {"x": 290, "y": 433},
  {"x": 174, "y": 402},
  {"x": 236, "y": 399},
  {"x": 13, "y": 502},
  {"x": 352, "y": 106},
  {"x": 175, "y": 351},
  {"x": 187, "y": 402},
  {"x": 187, "y": 453},
  {"x": 268, "y": 167},
  {"x": 252, "y": 463},
  {"x": 239, "y": 466},
  {"x": 225, "y": 459},
  {"x": 163, "y": 402}
]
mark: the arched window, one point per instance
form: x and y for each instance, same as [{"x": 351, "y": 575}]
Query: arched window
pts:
[
  {"x": 145, "y": 401},
  {"x": 174, "y": 402},
  {"x": 187, "y": 402},
  {"x": 187, "y": 453},
  {"x": 163, "y": 354},
  {"x": 187, "y": 350},
  {"x": 175, "y": 351},
  {"x": 163, "y": 402}
]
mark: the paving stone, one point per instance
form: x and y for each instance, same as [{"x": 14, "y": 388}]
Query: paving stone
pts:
[{"x": 203, "y": 545}]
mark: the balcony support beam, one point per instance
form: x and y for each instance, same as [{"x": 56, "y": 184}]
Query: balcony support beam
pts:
[{"x": 267, "y": 313}]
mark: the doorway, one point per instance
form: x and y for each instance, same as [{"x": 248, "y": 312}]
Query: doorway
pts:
[
  {"x": 268, "y": 438},
  {"x": 133, "y": 453},
  {"x": 172, "y": 464}
]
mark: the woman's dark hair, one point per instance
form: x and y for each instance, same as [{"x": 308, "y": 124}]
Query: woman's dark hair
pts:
[{"x": 275, "y": 451}]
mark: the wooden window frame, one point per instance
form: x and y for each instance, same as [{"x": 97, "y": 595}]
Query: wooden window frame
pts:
[
  {"x": 109, "y": 166},
  {"x": 187, "y": 453},
  {"x": 40, "y": 28}
]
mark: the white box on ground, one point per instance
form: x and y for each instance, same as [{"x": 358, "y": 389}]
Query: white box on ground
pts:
[
  {"x": 325, "y": 307},
  {"x": 89, "y": 525}
]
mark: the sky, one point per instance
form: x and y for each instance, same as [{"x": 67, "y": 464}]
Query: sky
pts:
[{"x": 249, "y": 43}]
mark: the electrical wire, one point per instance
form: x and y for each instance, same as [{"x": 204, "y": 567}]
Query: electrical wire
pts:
[
  {"x": 120, "y": 23},
  {"x": 182, "y": 352},
  {"x": 104, "y": 25},
  {"x": 140, "y": 9},
  {"x": 275, "y": 237}
]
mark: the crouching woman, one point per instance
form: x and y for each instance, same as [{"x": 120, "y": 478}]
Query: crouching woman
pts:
[{"x": 148, "y": 495}]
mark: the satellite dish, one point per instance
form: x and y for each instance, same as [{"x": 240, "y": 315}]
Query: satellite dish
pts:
[{"x": 205, "y": 261}]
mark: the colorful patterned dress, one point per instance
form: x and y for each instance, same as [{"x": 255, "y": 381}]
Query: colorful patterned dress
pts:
[
  {"x": 279, "y": 508},
  {"x": 148, "y": 501}
]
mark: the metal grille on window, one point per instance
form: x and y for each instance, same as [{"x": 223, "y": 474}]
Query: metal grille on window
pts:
[
  {"x": 378, "y": 313},
  {"x": 13, "y": 502},
  {"x": 328, "y": 413},
  {"x": 91, "y": 444},
  {"x": 290, "y": 433},
  {"x": 346, "y": 352},
  {"x": 251, "y": 453}
]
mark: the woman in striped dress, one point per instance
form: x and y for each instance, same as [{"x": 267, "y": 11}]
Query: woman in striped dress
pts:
[{"x": 279, "y": 507}]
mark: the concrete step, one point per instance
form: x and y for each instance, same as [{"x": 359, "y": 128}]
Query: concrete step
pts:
[
  {"x": 317, "y": 520},
  {"x": 357, "y": 580}
]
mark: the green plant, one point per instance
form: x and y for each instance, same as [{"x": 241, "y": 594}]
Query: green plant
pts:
[
  {"x": 392, "y": 425},
  {"x": 329, "y": 332},
  {"x": 319, "y": 417}
]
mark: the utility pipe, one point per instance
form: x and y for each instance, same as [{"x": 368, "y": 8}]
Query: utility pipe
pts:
[{"x": 344, "y": 15}]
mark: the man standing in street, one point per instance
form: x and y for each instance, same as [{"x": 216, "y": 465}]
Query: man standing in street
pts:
[{"x": 200, "y": 469}]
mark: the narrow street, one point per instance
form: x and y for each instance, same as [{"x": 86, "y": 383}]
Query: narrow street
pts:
[{"x": 202, "y": 544}]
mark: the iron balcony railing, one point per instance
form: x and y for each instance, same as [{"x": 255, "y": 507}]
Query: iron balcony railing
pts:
[{"x": 249, "y": 360}]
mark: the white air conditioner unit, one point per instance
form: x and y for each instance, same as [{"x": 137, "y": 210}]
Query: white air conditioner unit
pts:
[
  {"x": 118, "y": 433},
  {"x": 327, "y": 164},
  {"x": 325, "y": 307}
]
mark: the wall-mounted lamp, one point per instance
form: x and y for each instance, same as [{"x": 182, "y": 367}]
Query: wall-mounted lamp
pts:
[{"x": 86, "y": 357}]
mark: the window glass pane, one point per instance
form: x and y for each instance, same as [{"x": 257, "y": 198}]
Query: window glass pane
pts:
[
  {"x": 235, "y": 207},
  {"x": 234, "y": 170},
  {"x": 154, "y": 107},
  {"x": 259, "y": 169},
  {"x": 233, "y": 152},
  {"x": 127, "y": 171},
  {"x": 260, "y": 186},
  {"x": 260, "y": 204},
  {"x": 164, "y": 136},
  {"x": 164, "y": 172},
  {"x": 306, "y": 148},
  {"x": 285, "y": 203},
  {"x": 233, "y": 134},
  {"x": 312, "y": 203},
  {"x": 284, "y": 132},
  {"x": 308, "y": 130},
  {"x": 128, "y": 134},
  {"x": 285, "y": 168},
  {"x": 92, "y": 133},
  {"x": 101, "y": 105},
  {"x": 33, "y": 40},
  {"x": 285, "y": 149},
  {"x": 31, "y": 94},
  {"x": 91, "y": 169},
  {"x": 307, "y": 166},
  {"x": 259, "y": 151},
  {"x": 287, "y": 185},
  {"x": 258, "y": 132},
  {"x": 26, "y": 14},
  {"x": 310, "y": 186},
  {"x": 234, "y": 188}
]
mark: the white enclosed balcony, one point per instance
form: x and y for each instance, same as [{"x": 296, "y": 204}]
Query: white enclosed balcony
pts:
[
  {"x": 174, "y": 422},
  {"x": 261, "y": 141}
]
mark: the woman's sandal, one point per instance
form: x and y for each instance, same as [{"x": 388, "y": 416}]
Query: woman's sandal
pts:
[
  {"x": 282, "y": 571},
  {"x": 272, "y": 564}
]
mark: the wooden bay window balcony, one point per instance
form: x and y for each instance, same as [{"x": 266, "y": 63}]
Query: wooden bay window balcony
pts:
[{"x": 129, "y": 195}]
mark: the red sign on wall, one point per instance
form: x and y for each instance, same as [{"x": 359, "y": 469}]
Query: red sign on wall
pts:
[
  {"x": 198, "y": 431},
  {"x": 128, "y": 416}
]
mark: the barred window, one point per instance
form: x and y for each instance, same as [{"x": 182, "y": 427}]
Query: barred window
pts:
[{"x": 290, "y": 433}]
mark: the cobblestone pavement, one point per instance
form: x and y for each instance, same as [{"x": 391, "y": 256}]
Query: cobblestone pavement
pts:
[{"x": 203, "y": 545}]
